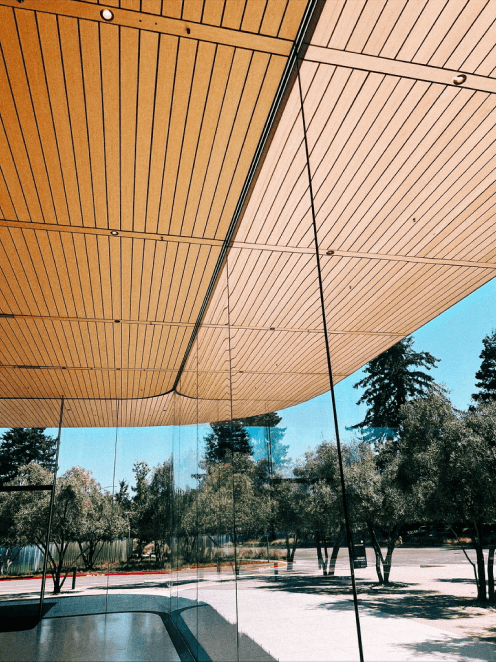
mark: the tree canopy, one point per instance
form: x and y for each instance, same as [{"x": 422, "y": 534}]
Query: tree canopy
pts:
[
  {"x": 393, "y": 378},
  {"x": 266, "y": 438},
  {"x": 225, "y": 439},
  {"x": 21, "y": 446},
  {"x": 486, "y": 375}
]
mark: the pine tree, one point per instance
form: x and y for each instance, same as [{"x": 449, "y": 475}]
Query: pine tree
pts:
[
  {"x": 487, "y": 372},
  {"x": 266, "y": 438},
  {"x": 20, "y": 446},
  {"x": 226, "y": 438},
  {"x": 389, "y": 384}
]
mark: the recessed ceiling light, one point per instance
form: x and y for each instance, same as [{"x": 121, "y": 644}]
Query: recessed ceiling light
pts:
[
  {"x": 107, "y": 15},
  {"x": 458, "y": 80},
  {"x": 114, "y": 232}
]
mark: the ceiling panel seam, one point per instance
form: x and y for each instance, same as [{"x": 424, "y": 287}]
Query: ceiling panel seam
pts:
[
  {"x": 154, "y": 23},
  {"x": 399, "y": 68}
]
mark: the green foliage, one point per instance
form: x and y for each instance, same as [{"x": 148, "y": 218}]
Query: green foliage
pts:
[
  {"x": 228, "y": 502},
  {"x": 21, "y": 446},
  {"x": 389, "y": 384},
  {"x": 487, "y": 372},
  {"x": 227, "y": 438},
  {"x": 266, "y": 438},
  {"x": 81, "y": 513},
  {"x": 152, "y": 507}
]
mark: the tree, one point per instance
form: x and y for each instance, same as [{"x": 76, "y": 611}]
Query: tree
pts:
[
  {"x": 140, "y": 505},
  {"x": 21, "y": 446},
  {"x": 267, "y": 438},
  {"x": 75, "y": 517},
  {"x": 103, "y": 522},
  {"x": 448, "y": 467},
  {"x": 226, "y": 439},
  {"x": 228, "y": 502},
  {"x": 324, "y": 503},
  {"x": 389, "y": 384},
  {"x": 289, "y": 501},
  {"x": 487, "y": 372},
  {"x": 378, "y": 504},
  {"x": 466, "y": 483}
]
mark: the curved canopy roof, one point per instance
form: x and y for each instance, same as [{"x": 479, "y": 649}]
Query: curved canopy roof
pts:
[{"x": 157, "y": 252}]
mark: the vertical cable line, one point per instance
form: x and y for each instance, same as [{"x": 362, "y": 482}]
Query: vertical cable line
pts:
[
  {"x": 232, "y": 453},
  {"x": 50, "y": 515},
  {"x": 113, "y": 494},
  {"x": 197, "y": 509},
  {"x": 329, "y": 367},
  {"x": 271, "y": 120}
]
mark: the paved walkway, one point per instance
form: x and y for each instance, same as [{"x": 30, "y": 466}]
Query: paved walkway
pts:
[{"x": 428, "y": 614}]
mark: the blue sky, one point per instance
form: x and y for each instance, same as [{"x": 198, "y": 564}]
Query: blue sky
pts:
[{"x": 455, "y": 337}]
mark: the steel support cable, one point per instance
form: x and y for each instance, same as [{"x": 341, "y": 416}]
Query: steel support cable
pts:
[
  {"x": 112, "y": 511},
  {"x": 329, "y": 366},
  {"x": 50, "y": 513},
  {"x": 232, "y": 453}
]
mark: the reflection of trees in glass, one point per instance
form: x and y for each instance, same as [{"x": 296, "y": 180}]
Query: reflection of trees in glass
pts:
[
  {"x": 227, "y": 502},
  {"x": 226, "y": 438},
  {"x": 81, "y": 513},
  {"x": 152, "y": 506},
  {"x": 20, "y": 446},
  {"x": 266, "y": 438},
  {"x": 487, "y": 371},
  {"x": 389, "y": 384}
]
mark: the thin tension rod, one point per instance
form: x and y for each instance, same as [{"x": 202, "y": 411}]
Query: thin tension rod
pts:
[
  {"x": 50, "y": 515},
  {"x": 329, "y": 367}
]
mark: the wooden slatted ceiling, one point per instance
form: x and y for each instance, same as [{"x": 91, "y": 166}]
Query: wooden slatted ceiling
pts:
[
  {"x": 147, "y": 133},
  {"x": 403, "y": 177},
  {"x": 401, "y": 162}
]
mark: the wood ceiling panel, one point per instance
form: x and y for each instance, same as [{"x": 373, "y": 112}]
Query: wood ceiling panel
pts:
[
  {"x": 6, "y": 208},
  {"x": 212, "y": 12},
  {"x": 55, "y": 77},
  {"x": 172, "y": 8},
  {"x": 252, "y": 19},
  {"x": 200, "y": 91},
  {"x": 166, "y": 67},
  {"x": 270, "y": 283},
  {"x": 113, "y": 127},
  {"x": 452, "y": 26},
  {"x": 233, "y": 13},
  {"x": 292, "y": 18},
  {"x": 192, "y": 10},
  {"x": 387, "y": 36},
  {"x": 273, "y": 17},
  {"x": 148, "y": 127},
  {"x": 187, "y": 53}
]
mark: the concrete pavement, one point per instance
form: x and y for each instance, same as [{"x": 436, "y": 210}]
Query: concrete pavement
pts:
[{"x": 427, "y": 614}]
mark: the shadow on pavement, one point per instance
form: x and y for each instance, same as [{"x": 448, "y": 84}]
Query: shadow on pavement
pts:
[{"x": 462, "y": 648}]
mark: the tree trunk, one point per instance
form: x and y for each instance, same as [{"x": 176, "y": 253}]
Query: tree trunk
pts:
[
  {"x": 378, "y": 554},
  {"x": 319, "y": 552},
  {"x": 481, "y": 570},
  {"x": 293, "y": 548},
  {"x": 288, "y": 552},
  {"x": 389, "y": 554},
  {"x": 326, "y": 561},
  {"x": 334, "y": 554},
  {"x": 490, "y": 573}
]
